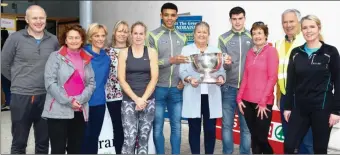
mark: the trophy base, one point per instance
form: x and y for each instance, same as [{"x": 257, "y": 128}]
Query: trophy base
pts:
[{"x": 208, "y": 80}]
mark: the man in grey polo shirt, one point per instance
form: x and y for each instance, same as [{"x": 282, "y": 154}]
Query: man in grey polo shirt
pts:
[{"x": 23, "y": 59}]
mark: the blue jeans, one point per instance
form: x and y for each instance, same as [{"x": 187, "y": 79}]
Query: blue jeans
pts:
[
  {"x": 229, "y": 106},
  {"x": 92, "y": 129},
  {"x": 171, "y": 98},
  {"x": 306, "y": 146}
]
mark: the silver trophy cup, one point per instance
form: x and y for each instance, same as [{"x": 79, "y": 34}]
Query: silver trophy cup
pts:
[{"x": 205, "y": 64}]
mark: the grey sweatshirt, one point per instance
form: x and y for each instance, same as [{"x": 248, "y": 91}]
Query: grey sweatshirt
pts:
[
  {"x": 168, "y": 43},
  {"x": 235, "y": 44},
  {"x": 23, "y": 61}
]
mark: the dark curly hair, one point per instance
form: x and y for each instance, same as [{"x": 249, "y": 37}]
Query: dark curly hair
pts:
[{"x": 77, "y": 28}]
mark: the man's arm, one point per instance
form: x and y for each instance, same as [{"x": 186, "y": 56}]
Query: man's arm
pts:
[
  {"x": 7, "y": 57},
  {"x": 223, "y": 48},
  {"x": 162, "y": 62},
  {"x": 150, "y": 41}
]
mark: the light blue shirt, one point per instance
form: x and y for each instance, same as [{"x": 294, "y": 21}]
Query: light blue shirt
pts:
[
  {"x": 310, "y": 51},
  {"x": 192, "y": 96},
  {"x": 38, "y": 41}
]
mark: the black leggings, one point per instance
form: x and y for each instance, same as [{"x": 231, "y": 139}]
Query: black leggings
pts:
[
  {"x": 114, "y": 108},
  {"x": 300, "y": 123},
  {"x": 258, "y": 128},
  {"x": 66, "y": 134}
]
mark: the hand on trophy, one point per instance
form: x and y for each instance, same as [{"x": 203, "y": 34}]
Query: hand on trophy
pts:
[
  {"x": 194, "y": 82},
  {"x": 178, "y": 59},
  {"x": 227, "y": 60},
  {"x": 220, "y": 80}
]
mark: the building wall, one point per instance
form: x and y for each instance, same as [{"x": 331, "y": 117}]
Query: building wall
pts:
[
  {"x": 216, "y": 13},
  {"x": 52, "y": 8}
]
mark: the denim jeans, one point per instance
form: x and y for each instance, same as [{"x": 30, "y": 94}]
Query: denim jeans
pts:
[
  {"x": 306, "y": 147},
  {"x": 92, "y": 129},
  {"x": 171, "y": 98},
  {"x": 229, "y": 106}
]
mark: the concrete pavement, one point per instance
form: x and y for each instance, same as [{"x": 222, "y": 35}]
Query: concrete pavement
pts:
[{"x": 6, "y": 138}]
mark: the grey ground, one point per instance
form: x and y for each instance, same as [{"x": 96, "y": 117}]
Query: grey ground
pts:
[{"x": 6, "y": 138}]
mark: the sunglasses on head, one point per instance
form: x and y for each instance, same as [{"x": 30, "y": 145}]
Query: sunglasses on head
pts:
[{"x": 258, "y": 23}]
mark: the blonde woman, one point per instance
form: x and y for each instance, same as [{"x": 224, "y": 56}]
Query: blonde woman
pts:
[
  {"x": 138, "y": 75},
  {"x": 313, "y": 73},
  {"x": 114, "y": 96},
  {"x": 96, "y": 38}
]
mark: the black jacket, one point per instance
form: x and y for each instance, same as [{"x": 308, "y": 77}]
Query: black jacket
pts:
[{"x": 311, "y": 79}]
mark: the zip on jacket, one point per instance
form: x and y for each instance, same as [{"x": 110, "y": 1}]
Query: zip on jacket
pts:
[
  {"x": 260, "y": 76},
  {"x": 168, "y": 43},
  {"x": 101, "y": 68},
  {"x": 236, "y": 45},
  {"x": 311, "y": 80}
]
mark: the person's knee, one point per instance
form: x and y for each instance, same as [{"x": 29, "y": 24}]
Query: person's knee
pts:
[
  {"x": 244, "y": 129},
  {"x": 228, "y": 120},
  {"x": 210, "y": 131},
  {"x": 143, "y": 139}
]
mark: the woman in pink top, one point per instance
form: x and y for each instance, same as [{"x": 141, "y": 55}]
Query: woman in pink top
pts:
[
  {"x": 69, "y": 81},
  {"x": 256, "y": 95}
]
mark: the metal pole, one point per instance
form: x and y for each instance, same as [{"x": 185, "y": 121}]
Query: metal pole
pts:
[{"x": 85, "y": 13}]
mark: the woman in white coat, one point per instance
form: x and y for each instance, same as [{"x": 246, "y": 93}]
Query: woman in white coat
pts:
[{"x": 200, "y": 99}]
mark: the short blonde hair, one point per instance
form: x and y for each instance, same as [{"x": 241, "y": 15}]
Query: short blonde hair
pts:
[
  {"x": 93, "y": 29},
  {"x": 316, "y": 20},
  {"x": 115, "y": 29}
]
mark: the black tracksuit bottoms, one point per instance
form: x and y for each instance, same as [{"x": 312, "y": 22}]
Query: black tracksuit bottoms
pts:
[
  {"x": 259, "y": 128},
  {"x": 299, "y": 123},
  {"x": 25, "y": 111}
]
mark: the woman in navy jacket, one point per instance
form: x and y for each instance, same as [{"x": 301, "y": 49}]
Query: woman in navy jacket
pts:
[{"x": 313, "y": 72}]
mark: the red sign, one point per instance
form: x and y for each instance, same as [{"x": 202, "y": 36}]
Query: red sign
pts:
[{"x": 275, "y": 135}]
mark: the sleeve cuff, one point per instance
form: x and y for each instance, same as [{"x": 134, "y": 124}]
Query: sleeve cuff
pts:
[
  {"x": 164, "y": 62},
  {"x": 238, "y": 100},
  {"x": 73, "y": 99},
  {"x": 262, "y": 105}
]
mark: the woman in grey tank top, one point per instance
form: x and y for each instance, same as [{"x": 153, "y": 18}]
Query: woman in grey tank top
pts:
[{"x": 138, "y": 75}]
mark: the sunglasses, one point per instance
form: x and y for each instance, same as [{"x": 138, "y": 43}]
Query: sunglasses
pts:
[{"x": 259, "y": 23}]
